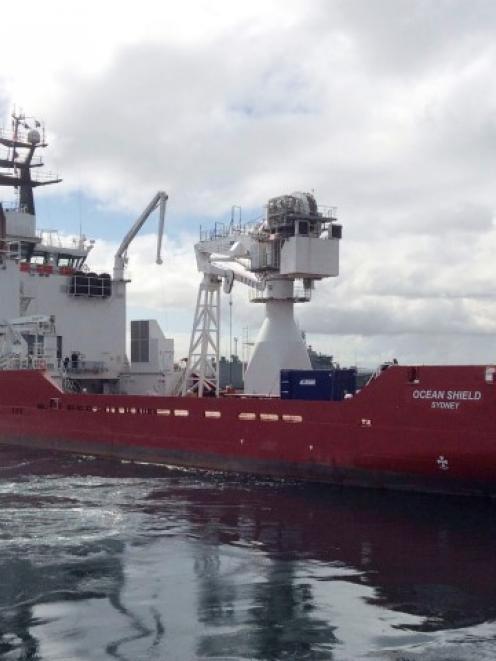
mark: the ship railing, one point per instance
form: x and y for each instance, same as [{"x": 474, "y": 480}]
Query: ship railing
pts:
[
  {"x": 5, "y": 361},
  {"x": 12, "y": 206},
  {"x": 35, "y": 162},
  {"x": 85, "y": 367},
  {"x": 330, "y": 213},
  {"x": 52, "y": 238},
  {"x": 179, "y": 385},
  {"x": 68, "y": 385},
  {"x": 11, "y": 249},
  {"x": 12, "y": 361},
  {"x": 224, "y": 230},
  {"x": 219, "y": 231},
  {"x": 46, "y": 177},
  {"x": 22, "y": 136},
  {"x": 300, "y": 294},
  {"x": 20, "y": 140}
]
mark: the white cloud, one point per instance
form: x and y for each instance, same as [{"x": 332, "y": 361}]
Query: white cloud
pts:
[
  {"x": 387, "y": 109},
  {"x": 404, "y": 303},
  {"x": 168, "y": 292}
]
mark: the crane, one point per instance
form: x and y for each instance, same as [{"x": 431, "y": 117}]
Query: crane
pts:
[
  {"x": 159, "y": 201},
  {"x": 279, "y": 259},
  {"x": 222, "y": 259}
]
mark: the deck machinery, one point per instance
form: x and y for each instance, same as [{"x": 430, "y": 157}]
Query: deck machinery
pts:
[{"x": 279, "y": 259}]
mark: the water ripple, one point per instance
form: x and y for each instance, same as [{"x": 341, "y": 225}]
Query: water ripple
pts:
[{"x": 101, "y": 560}]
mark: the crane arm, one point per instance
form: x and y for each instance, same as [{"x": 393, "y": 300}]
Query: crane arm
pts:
[
  {"x": 159, "y": 200},
  {"x": 231, "y": 271},
  {"x": 161, "y": 222}
]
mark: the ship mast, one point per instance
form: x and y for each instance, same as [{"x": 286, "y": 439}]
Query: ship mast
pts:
[{"x": 20, "y": 161}]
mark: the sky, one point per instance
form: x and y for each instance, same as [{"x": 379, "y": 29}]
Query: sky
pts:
[{"x": 385, "y": 109}]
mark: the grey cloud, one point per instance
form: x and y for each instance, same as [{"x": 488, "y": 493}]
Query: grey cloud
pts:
[
  {"x": 409, "y": 349},
  {"x": 385, "y": 108},
  {"x": 465, "y": 217},
  {"x": 194, "y": 117},
  {"x": 370, "y": 316},
  {"x": 241, "y": 118},
  {"x": 407, "y": 37}
]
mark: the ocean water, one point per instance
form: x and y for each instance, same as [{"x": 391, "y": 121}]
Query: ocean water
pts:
[{"x": 106, "y": 560}]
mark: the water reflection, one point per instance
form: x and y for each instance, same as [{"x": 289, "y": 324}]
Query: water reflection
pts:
[
  {"x": 148, "y": 564},
  {"x": 87, "y": 572},
  {"x": 424, "y": 555},
  {"x": 271, "y": 618}
]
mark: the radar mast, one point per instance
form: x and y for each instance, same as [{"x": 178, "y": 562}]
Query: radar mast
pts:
[{"x": 16, "y": 165}]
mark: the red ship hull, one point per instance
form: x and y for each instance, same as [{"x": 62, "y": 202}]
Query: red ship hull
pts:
[{"x": 423, "y": 429}]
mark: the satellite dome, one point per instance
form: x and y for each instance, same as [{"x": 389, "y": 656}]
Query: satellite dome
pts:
[{"x": 34, "y": 136}]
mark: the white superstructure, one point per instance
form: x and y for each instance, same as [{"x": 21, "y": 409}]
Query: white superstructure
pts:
[
  {"x": 42, "y": 278},
  {"x": 279, "y": 259},
  {"x": 58, "y": 314}
]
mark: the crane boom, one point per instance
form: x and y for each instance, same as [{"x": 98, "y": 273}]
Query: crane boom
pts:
[
  {"x": 159, "y": 200},
  {"x": 161, "y": 221}
]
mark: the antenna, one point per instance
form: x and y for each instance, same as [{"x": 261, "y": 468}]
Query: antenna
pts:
[
  {"x": 80, "y": 215},
  {"x": 17, "y": 170},
  {"x": 235, "y": 208}
]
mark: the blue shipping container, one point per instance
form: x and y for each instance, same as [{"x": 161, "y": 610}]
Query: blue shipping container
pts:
[{"x": 318, "y": 385}]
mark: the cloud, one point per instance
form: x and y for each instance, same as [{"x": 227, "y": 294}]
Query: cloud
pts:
[
  {"x": 174, "y": 284},
  {"x": 262, "y": 109},
  {"x": 386, "y": 109},
  {"x": 405, "y": 305}
]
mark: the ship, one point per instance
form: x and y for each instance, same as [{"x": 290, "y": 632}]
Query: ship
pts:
[{"x": 67, "y": 384}]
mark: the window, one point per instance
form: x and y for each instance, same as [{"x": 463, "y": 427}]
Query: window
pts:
[
  {"x": 247, "y": 416},
  {"x": 303, "y": 228},
  {"x": 292, "y": 418},
  {"x": 181, "y": 413},
  {"x": 269, "y": 417},
  {"x": 212, "y": 414},
  {"x": 163, "y": 411}
]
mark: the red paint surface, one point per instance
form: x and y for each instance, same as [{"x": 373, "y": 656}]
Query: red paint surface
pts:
[{"x": 387, "y": 435}]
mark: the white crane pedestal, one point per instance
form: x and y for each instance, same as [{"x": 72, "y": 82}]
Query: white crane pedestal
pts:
[{"x": 279, "y": 345}]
